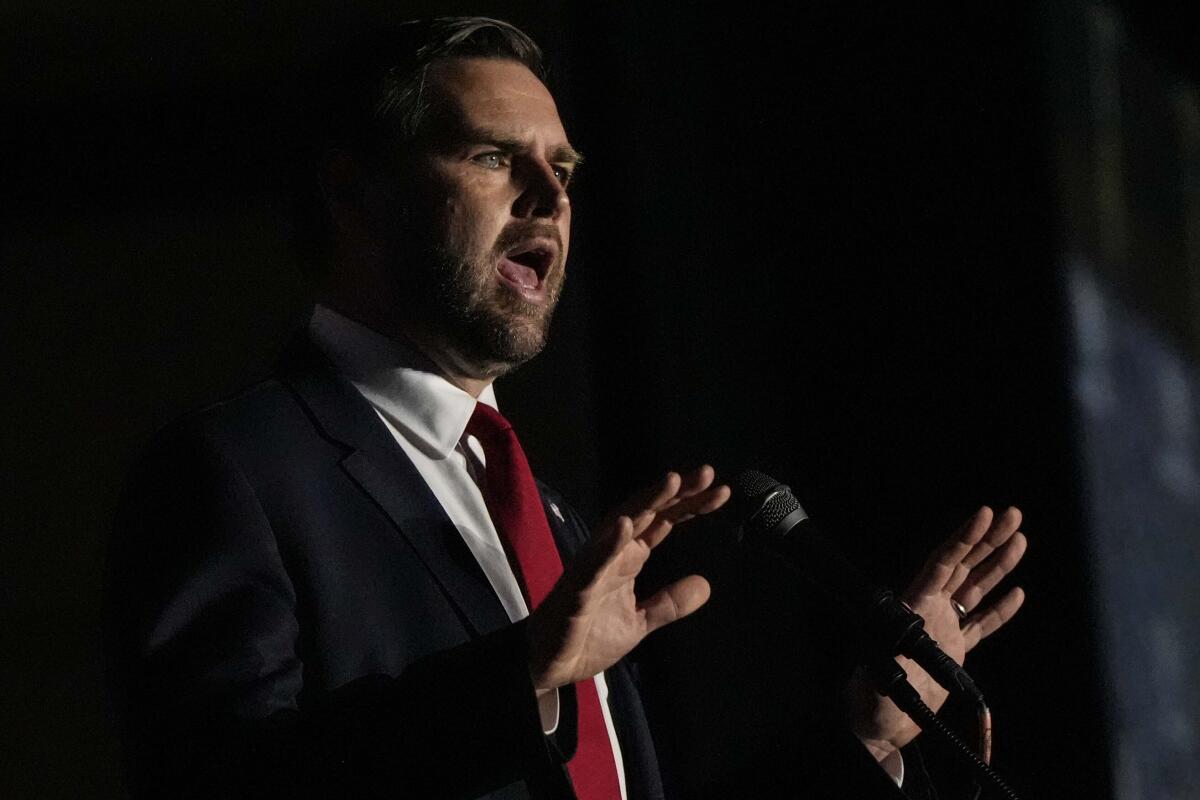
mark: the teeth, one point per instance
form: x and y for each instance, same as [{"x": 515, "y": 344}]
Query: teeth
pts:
[{"x": 531, "y": 257}]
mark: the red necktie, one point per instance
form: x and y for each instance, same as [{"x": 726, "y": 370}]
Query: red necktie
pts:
[{"x": 516, "y": 509}]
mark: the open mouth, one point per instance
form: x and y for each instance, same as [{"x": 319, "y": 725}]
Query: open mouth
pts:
[{"x": 526, "y": 265}]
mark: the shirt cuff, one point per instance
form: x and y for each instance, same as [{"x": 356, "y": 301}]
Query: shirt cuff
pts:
[
  {"x": 893, "y": 765},
  {"x": 548, "y": 710}
]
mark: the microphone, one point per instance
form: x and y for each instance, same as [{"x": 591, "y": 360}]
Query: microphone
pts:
[{"x": 773, "y": 519}]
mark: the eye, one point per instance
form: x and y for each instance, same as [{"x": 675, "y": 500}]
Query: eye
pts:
[
  {"x": 491, "y": 160},
  {"x": 563, "y": 174}
]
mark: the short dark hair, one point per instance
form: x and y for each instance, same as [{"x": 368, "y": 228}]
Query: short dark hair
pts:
[
  {"x": 370, "y": 99},
  {"x": 385, "y": 89},
  {"x": 401, "y": 103}
]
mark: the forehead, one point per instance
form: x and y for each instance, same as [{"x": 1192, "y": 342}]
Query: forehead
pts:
[{"x": 492, "y": 94}]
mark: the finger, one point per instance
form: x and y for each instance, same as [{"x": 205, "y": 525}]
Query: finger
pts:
[
  {"x": 987, "y": 575},
  {"x": 957, "y": 578},
  {"x": 675, "y": 601},
  {"x": 981, "y": 626},
  {"x": 655, "y": 533},
  {"x": 643, "y": 520},
  {"x": 663, "y": 494},
  {"x": 940, "y": 566},
  {"x": 1002, "y": 528},
  {"x": 690, "y": 485},
  {"x": 664, "y": 522},
  {"x": 709, "y": 500},
  {"x": 653, "y": 497},
  {"x": 602, "y": 548},
  {"x": 697, "y": 481}
]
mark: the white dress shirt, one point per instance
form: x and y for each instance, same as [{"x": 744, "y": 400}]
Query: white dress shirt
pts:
[{"x": 427, "y": 415}]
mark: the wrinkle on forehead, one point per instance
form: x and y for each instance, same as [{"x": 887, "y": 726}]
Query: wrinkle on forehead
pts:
[{"x": 486, "y": 92}]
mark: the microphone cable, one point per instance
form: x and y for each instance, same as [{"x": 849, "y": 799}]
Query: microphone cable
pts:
[{"x": 892, "y": 681}]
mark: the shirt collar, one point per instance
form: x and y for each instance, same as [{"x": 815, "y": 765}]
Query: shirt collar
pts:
[{"x": 427, "y": 409}]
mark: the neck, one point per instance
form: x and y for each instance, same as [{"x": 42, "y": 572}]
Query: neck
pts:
[
  {"x": 449, "y": 365},
  {"x": 371, "y": 311}
]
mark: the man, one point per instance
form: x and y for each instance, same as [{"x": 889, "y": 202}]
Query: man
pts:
[{"x": 345, "y": 580}]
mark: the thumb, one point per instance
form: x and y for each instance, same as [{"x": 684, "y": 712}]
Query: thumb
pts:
[{"x": 675, "y": 601}]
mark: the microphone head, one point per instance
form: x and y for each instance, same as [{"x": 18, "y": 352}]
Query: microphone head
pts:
[
  {"x": 760, "y": 503},
  {"x": 751, "y": 483}
]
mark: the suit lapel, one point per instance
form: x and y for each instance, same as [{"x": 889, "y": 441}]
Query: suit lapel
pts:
[{"x": 381, "y": 469}]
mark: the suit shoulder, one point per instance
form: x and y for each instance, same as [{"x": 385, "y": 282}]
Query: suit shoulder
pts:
[
  {"x": 262, "y": 402},
  {"x": 269, "y": 402},
  {"x": 263, "y": 422}
]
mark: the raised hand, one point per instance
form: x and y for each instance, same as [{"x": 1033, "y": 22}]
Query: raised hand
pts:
[
  {"x": 592, "y": 618},
  {"x": 964, "y": 569}
]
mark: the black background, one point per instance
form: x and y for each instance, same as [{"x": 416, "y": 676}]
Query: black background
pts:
[{"x": 819, "y": 241}]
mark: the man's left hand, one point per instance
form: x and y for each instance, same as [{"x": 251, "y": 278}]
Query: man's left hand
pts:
[{"x": 963, "y": 569}]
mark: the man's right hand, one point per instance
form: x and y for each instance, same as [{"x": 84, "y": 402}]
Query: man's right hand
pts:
[{"x": 591, "y": 618}]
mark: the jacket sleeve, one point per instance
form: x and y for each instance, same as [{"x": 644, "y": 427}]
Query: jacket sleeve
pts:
[{"x": 206, "y": 650}]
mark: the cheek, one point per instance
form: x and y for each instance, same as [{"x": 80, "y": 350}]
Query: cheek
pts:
[{"x": 473, "y": 223}]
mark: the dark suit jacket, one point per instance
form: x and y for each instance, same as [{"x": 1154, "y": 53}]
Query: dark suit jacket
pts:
[
  {"x": 295, "y": 615},
  {"x": 292, "y": 614}
]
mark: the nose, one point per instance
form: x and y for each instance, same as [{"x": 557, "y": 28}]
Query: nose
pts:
[{"x": 542, "y": 194}]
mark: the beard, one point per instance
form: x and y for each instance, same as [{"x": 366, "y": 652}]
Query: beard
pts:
[{"x": 455, "y": 291}]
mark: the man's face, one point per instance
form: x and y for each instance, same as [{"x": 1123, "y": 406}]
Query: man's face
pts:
[{"x": 484, "y": 224}]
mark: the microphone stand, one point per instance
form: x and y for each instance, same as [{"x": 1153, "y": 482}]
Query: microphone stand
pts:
[{"x": 891, "y": 681}]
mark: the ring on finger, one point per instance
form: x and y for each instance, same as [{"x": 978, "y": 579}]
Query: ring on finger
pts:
[{"x": 959, "y": 609}]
